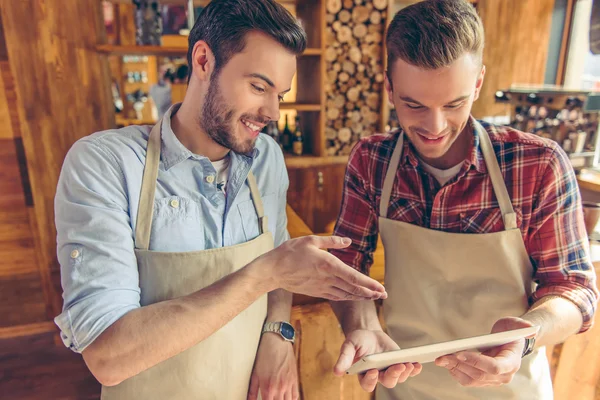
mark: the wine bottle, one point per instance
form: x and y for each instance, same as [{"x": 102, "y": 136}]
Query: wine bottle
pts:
[
  {"x": 286, "y": 136},
  {"x": 298, "y": 145}
]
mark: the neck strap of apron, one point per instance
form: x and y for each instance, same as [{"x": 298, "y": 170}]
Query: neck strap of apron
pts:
[
  {"x": 508, "y": 213},
  {"x": 146, "y": 207}
]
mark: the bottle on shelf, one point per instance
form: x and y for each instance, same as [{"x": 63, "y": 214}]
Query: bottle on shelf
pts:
[
  {"x": 297, "y": 144},
  {"x": 273, "y": 131},
  {"x": 286, "y": 137}
]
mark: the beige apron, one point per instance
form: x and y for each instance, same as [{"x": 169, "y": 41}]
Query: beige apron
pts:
[
  {"x": 220, "y": 366},
  {"x": 444, "y": 286}
]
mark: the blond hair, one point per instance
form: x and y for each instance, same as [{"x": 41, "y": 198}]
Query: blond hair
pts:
[{"x": 434, "y": 33}]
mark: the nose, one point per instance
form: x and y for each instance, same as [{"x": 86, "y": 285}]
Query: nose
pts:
[
  {"x": 436, "y": 122},
  {"x": 270, "y": 109}
]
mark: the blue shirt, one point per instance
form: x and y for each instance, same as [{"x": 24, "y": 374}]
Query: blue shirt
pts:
[{"x": 96, "y": 208}]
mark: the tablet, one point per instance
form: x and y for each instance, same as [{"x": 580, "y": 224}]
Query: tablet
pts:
[{"x": 428, "y": 353}]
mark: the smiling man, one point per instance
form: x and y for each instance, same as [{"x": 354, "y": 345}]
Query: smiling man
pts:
[
  {"x": 482, "y": 225},
  {"x": 166, "y": 234}
]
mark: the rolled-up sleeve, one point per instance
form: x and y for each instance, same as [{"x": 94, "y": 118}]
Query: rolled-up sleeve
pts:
[
  {"x": 557, "y": 241},
  {"x": 95, "y": 245}
]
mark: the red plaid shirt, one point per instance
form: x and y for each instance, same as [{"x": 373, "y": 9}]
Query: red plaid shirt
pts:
[{"x": 540, "y": 181}]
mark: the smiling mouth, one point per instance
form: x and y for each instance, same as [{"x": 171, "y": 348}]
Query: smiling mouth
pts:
[
  {"x": 431, "y": 139},
  {"x": 253, "y": 128}
]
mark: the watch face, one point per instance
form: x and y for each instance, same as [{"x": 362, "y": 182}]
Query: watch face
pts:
[{"x": 287, "y": 331}]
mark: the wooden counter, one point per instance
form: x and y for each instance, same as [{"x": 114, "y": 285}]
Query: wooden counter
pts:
[{"x": 589, "y": 180}]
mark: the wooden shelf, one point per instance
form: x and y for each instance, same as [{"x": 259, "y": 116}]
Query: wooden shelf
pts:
[
  {"x": 300, "y": 107},
  {"x": 166, "y": 50},
  {"x": 292, "y": 161},
  {"x": 312, "y": 52},
  {"x": 146, "y": 50}
]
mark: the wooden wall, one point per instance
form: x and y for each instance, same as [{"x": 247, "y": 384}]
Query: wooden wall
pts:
[
  {"x": 57, "y": 90},
  {"x": 517, "y": 38},
  {"x": 19, "y": 266}
]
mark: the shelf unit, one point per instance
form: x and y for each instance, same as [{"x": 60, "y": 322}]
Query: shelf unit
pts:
[{"x": 307, "y": 97}]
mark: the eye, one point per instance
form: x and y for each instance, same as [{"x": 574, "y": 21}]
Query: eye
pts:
[
  {"x": 258, "y": 89},
  {"x": 413, "y": 107},
  {"x": 453, "y": 106}
]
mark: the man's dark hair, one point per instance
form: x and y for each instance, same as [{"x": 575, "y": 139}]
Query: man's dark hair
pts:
[{"x": 223, "y": 25}]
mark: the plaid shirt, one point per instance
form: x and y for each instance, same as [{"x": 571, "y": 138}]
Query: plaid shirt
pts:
[{"x": 540, "y": 181}]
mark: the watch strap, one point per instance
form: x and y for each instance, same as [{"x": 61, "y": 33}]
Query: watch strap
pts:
[
  {"x": 529, "y": 345},
  {"x": 275, "y": 327}
]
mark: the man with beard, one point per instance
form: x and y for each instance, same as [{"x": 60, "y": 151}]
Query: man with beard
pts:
[
  {"x": 482, "y": 226},
  {"x": 166, "y": 234}
]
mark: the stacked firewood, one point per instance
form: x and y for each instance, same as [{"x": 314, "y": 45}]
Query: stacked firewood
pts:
[{"x": 354, "y": 63}]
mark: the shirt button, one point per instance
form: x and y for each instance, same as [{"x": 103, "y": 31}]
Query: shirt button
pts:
[
  {"x": 174, "y": 203},
  {"x": 75, "y": 254},
  {"x": 210, "y": 179}
]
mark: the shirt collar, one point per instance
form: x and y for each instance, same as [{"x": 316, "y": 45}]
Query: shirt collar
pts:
[
  {"x": 409, "y": 156},
  {"x": 173, "y": 151}
]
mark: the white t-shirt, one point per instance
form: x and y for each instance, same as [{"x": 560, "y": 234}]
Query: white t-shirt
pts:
[
  {"x": 222, "y": 168},
  {"x": 441, "y": 175}
]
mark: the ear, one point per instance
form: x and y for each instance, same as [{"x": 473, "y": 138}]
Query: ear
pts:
[
  {"x": 479, "y": 83},
  {"x": 203, "y": 61},
  {"x": 388, "y": 88}
]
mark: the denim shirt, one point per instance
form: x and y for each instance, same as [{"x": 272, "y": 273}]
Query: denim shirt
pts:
[{"x": 96, "y": 208}]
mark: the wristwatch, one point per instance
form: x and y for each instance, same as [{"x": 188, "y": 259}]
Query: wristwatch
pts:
[
  {"x": 529, "y": 344},
  {"x": 284, "y": 329}
]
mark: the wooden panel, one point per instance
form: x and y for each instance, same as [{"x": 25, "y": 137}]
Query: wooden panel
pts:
[
  {"x": 63, "y": 94},
  {"x": 316, "y": 194},
  {"x": 516, "y": 48},
  {"x": 11, "y": 191},
  {"x": 21, "y": 299},
  {"x": 301, "y": 193},
  {"x": 328, "y": 196},
  {"x": 21, "y": 295},
  {"x": 10, "y": 92},
  {"x": 34, "y": 368},
  {"x": 317, "y": 350},
  {"x": 6, "y": 132}
]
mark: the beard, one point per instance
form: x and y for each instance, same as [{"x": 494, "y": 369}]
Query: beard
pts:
[{"x": 219, "y": 123}]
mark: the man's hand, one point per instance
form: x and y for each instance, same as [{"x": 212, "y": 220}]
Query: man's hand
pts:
[
  {"x": 274, "y": 375},
  {"x": 301, "y": 266},
  {"x": 494, "y": 367},
  {"x": 361, "y": 343}
]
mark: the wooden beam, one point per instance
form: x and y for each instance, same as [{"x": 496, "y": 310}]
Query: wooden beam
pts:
[
  {"x": 27, "y": 330},
  {"x": 566, "y": 41}
]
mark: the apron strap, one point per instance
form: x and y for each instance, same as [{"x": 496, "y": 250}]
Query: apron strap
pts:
[
  {"x": 508, "y": 213},
  {"x": 258, "y": 204},
  {"x": 390, "y": 176},
  {"x": 147, "y": 193},
  {"x": 146, "y": 207}
]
